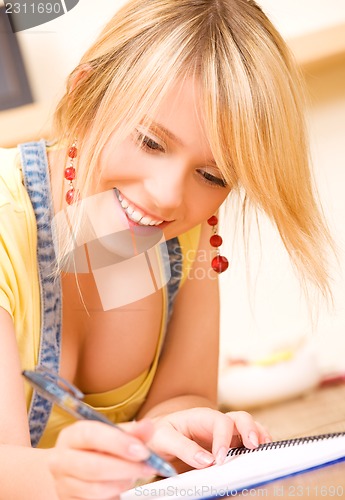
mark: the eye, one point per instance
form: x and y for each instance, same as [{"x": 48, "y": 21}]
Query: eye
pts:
[
  {"x": 212, "y": 179},
  {"x": 148, "y": 144}
]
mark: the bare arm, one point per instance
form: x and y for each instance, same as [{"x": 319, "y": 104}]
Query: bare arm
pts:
[
  {"x": 184, "y": 394},
  {"x": 89, "y": 458},
  {"x": 24, "y": 471}
]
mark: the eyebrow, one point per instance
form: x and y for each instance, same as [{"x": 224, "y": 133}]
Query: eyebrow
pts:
[
  {"x": 168, "y": 133},
  {"x": 176, "y": 139}
]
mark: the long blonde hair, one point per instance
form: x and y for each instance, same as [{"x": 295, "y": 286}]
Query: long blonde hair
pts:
[{"x": 251, "y": 91}]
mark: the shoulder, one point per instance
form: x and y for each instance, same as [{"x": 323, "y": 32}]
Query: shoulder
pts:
[
  {"x": 8, "y": 159},
  {"x": 10, "y": 175},
  {"x": 17, "y": 220}
]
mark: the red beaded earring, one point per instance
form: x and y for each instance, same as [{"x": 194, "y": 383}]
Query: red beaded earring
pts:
[
  {"x": 72, "y": 194},
  {"x": 219, "y": 262}
]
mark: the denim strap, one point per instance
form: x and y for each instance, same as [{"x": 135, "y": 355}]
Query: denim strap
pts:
[
  {"x": 175, "y": 261},
  {"x": 37, "y": 182}
]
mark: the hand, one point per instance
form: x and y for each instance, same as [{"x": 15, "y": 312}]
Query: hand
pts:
[
  {"x": 94, "y": 460},
  {"x": 202, "y": 436}
]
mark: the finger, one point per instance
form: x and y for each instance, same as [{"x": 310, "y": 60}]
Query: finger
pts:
[
  {"x": 90, "y": 435},
  {"x": 264, "y": 435},
  {"x": 88, "y": 465},
  {"x": 180, "y": 446},
  {"x": 86, "y": 490},
  {"x": 142, "y": 429},
  {"x": 246, "y": 428},
  {"x": 223, "y": 429}
]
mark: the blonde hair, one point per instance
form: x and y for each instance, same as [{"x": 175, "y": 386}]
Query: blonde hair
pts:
[{"x": 253, "y": 108}]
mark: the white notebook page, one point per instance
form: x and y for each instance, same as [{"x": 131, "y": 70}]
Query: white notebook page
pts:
[{"x": 245, "y": 470}]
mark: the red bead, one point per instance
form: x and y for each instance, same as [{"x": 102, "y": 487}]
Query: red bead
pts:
[
  {"x": 213, "y": 221},
  {"x": 70, "y": 196},
  {"x": 70, "y": 173},
  {"x": 216, "y": 240},
  {"x": 72, "y": 153},
  {"x": 219, "y": 264}
]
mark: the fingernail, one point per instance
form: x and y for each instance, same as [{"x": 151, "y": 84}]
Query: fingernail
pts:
[
  {"x": 221, "y": 455},
  {"x": 138, "y": 451},
  {"x": 253, "y": 438},
  {"x": 268, "y": 440},
  {"x": 204, "y": 458}
]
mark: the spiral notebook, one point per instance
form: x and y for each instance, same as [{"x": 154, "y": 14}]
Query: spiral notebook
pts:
[{"x": 245, "y": 469}]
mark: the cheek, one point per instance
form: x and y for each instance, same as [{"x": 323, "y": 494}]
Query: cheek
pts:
[
  {"x": 203, "y": 205},
  {"x": 212, "y": 201},
  {"x": 121, "y": 162}
]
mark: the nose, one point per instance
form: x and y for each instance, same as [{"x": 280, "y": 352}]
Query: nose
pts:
[{"x": 166, "y": 190}]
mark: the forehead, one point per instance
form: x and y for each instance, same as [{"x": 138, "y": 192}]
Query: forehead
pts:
[
  {"x": 183, "y": 97},
  {"x": 180, "y": 114}
]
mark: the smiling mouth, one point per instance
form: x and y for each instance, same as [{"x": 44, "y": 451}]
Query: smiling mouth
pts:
[{"x": 134, "y": 213}]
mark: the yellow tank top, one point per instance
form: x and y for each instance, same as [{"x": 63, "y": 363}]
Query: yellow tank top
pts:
[
  {"x": 20, "y": 296},
  {"x": 123, "y": 403}
]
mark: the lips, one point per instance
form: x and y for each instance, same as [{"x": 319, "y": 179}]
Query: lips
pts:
[{"x": 134, "y": 213}]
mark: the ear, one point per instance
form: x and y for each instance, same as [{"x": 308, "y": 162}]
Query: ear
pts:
[{"x": 79, "y": 74}]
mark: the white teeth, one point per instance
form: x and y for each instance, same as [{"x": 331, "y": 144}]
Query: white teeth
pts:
[
  {"x": 146, "y": 221},
  {"x": 134, "y": 214}
]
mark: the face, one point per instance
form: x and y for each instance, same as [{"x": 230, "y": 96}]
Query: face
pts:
[{"x": 166, "y": 175}]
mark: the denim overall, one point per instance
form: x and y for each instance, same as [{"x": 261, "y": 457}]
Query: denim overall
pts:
[{"x": 37, "y": 183}]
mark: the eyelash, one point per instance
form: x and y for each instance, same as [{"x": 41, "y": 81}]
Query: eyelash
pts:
[
  {"x": 151, "y": 146},
  {"x": 213, "y": 180},
  {"x": 148, "y": 144}
]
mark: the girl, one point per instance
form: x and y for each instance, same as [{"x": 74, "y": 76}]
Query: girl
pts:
[{"x": 103, "y": 237}]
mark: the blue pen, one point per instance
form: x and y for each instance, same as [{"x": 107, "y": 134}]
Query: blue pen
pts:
[{"x": 49, "y": 386}]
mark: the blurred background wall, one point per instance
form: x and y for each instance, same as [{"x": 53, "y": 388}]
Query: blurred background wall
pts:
[
  {"x": 264, "y": 310},
  {"x": 271, "y": 313}
]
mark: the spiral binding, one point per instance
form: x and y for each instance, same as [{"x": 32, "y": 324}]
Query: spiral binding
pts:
[{"x": 284, "y": 444}]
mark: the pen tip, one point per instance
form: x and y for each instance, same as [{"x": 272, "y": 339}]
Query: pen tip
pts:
[
  {"x": 168, "y": 470},
  {"x": 162, "y": 467}
]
